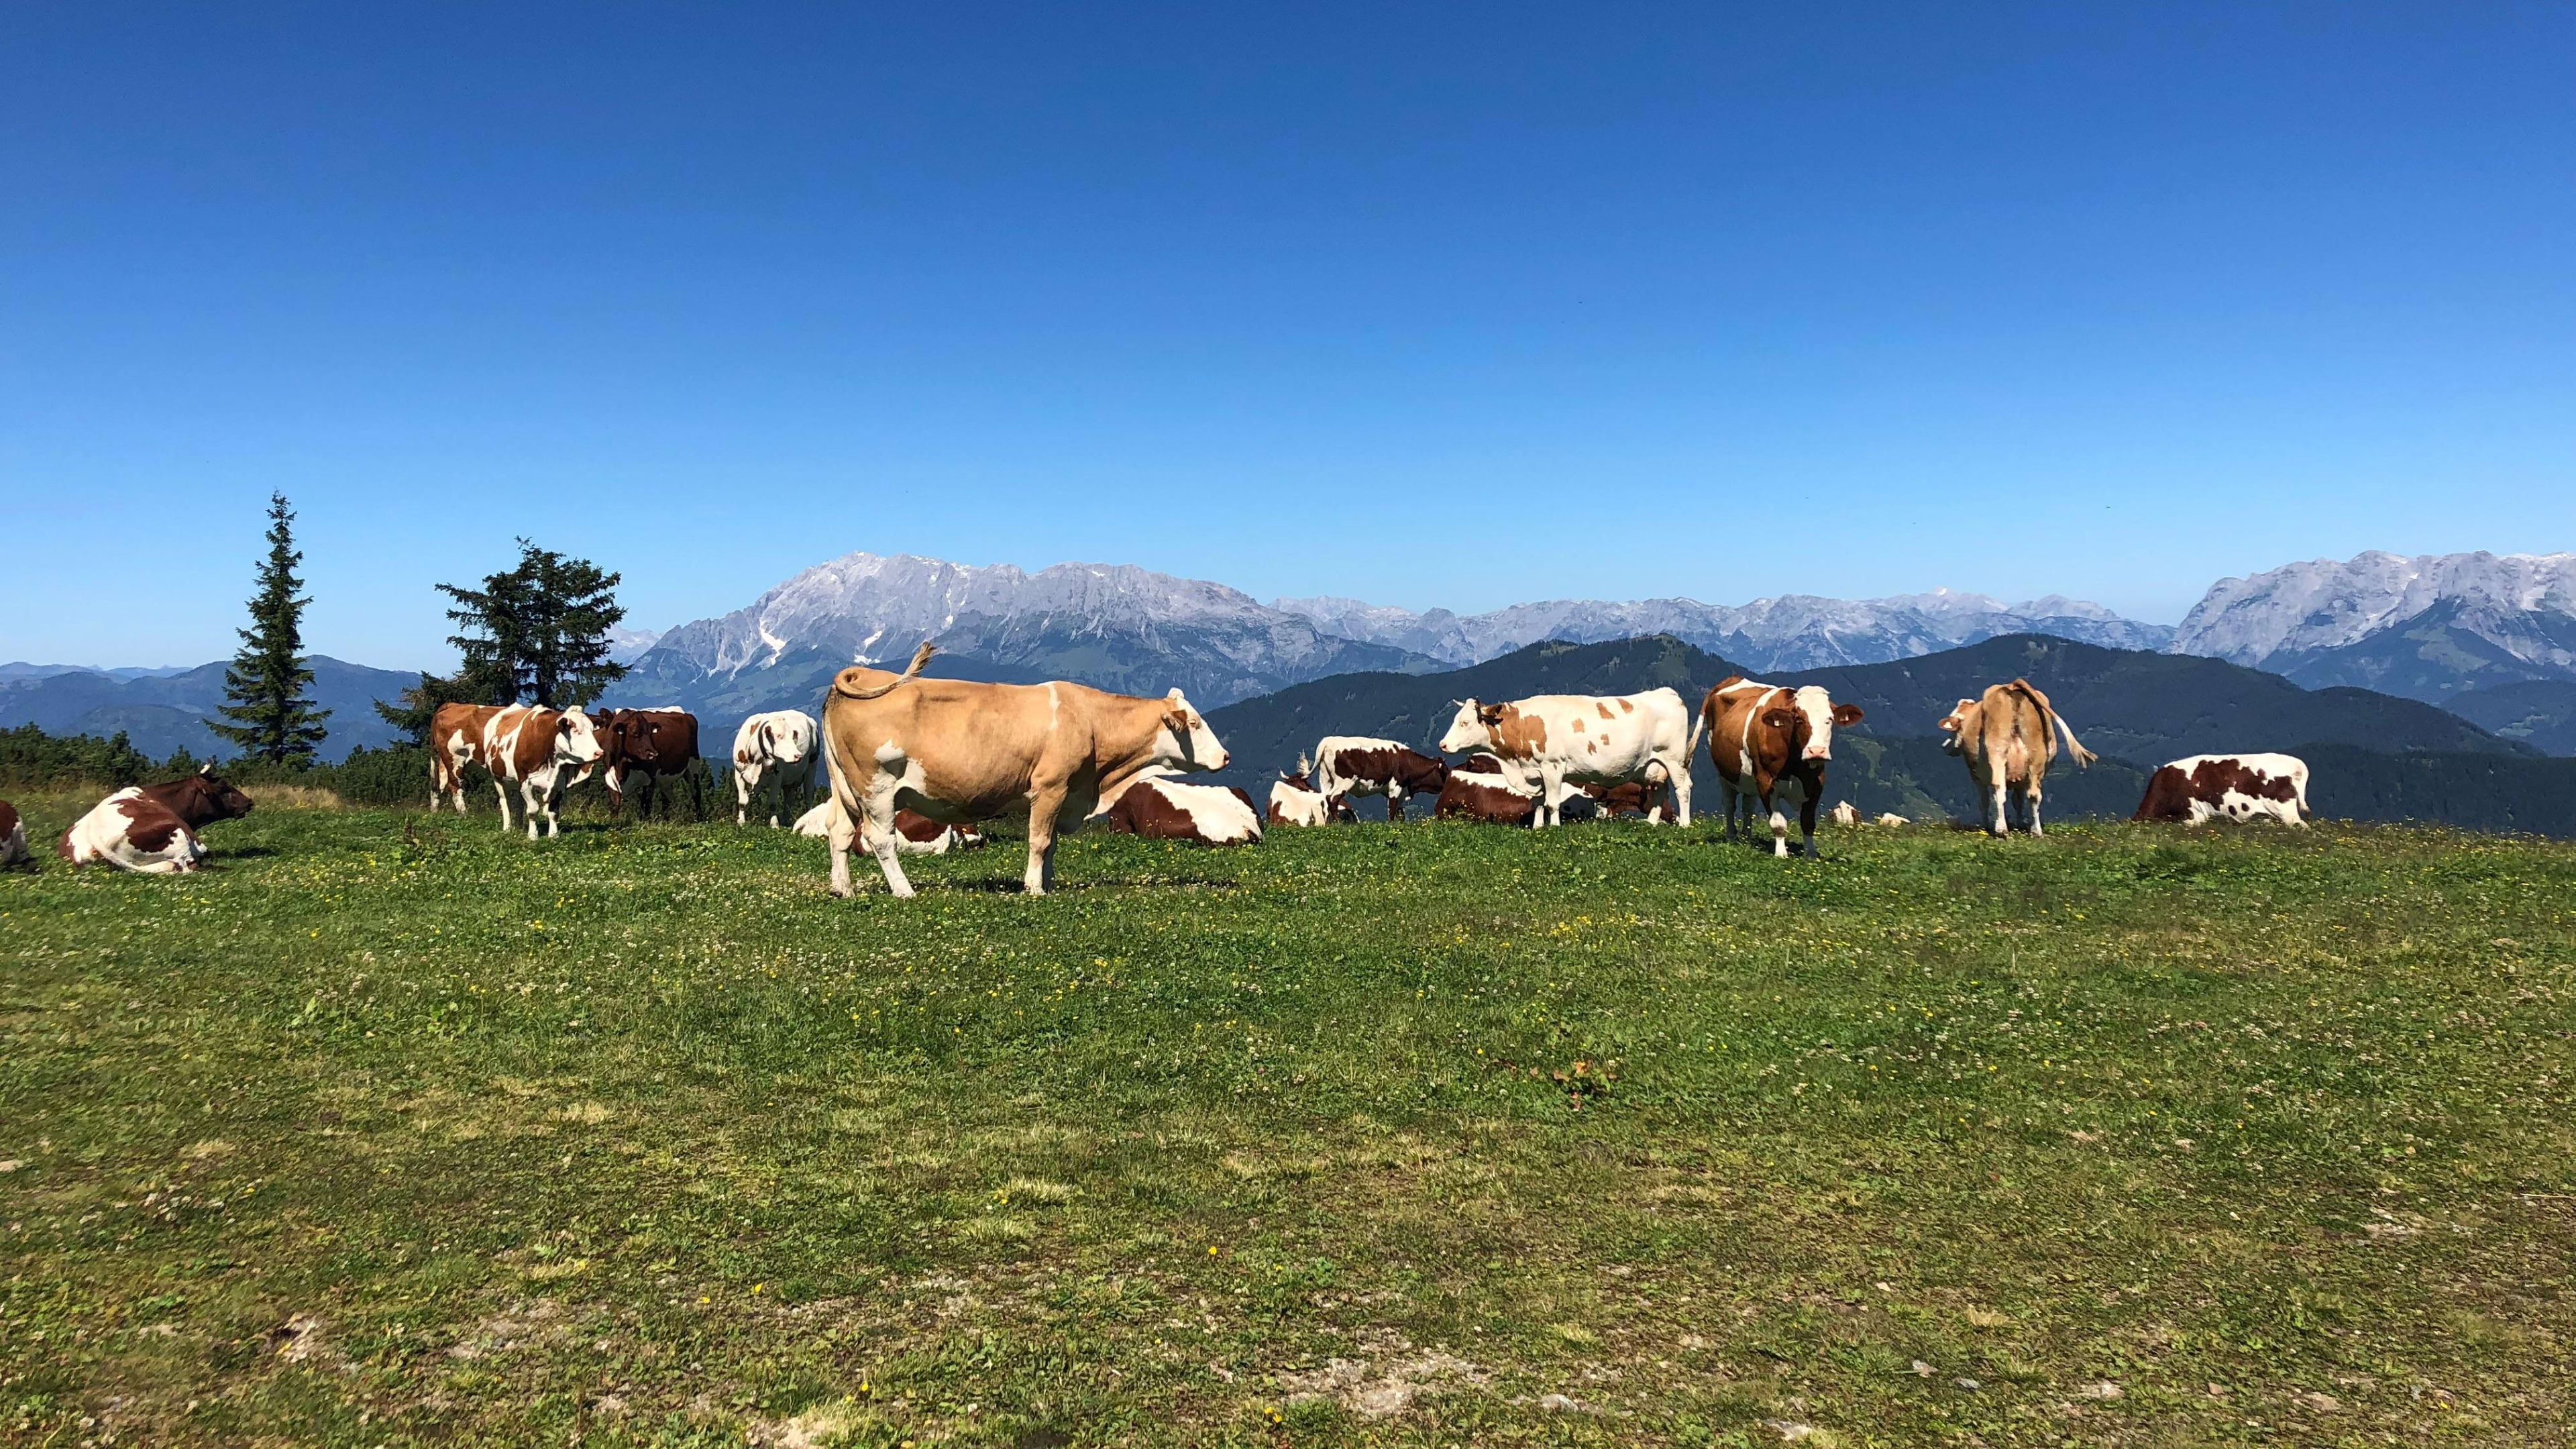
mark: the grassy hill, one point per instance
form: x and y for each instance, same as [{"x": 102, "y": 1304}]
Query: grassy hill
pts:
[
  {"x": 396, "y": 1130},
  {"x": 2391, "y": 758}
]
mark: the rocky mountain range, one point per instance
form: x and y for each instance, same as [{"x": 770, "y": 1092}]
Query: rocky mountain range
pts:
[
  {"x": 2425, "y": 628},
  {"x": 1796, "y": 631},
  {"x": 2428, "y": 627}
]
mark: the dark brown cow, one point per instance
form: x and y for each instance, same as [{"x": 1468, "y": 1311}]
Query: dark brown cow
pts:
[
  {"x": 13, "y": 839},
  {"x": 153, "y": 828},
  {"x": 1491, "y": 798},
  {"x": 1631, "y": 797},
  {"x": 1158, "y": 807},
  {"x": 649, "y": 743},
  {"x": 1348, "y": 765}
]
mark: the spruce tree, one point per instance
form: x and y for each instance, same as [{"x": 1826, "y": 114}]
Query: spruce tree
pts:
[
  {"x": 271, "y": 716},
  {"x": 537, "y": 632}
]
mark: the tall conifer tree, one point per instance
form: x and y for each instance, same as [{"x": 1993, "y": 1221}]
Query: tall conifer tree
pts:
[{"x": 271, "y": 717}]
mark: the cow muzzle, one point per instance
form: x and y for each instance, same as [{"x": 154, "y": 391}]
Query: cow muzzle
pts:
[{"x": 1817, "y": 752}]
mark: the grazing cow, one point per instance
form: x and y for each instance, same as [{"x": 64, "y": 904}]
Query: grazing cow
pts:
[
  {"x": 2008, "y": 736},
  {"x": 153, "y": 829},
  {"x": 520, "y": 745},
  {"x": 1295, "y": 801},
  {"x": 779, "y": 743},
  {"x": 13, "y": 838},
  {"x": 2238, "y": 787},
  {"x": 1846, "y": 813},
  {"x": 1550, "y": 739},
  {"x": 1491, "y": 797},
  {"x": 1159, "y": 807},
  {"x": 960, "y": 752},
  {"x": 914, "y": 834},
  {"x": 649, "y": 743},
  {"x": 1771, "y": 744},
  {"x": 1348, "y": 765}
]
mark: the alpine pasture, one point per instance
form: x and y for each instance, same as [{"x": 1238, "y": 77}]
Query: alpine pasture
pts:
[{"x": 396, "y": 1129}]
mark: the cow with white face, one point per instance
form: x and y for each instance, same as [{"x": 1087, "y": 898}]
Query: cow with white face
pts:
[
  {"x": 1771, "y": 744},
  {"x": 1547, "y": 741},
  {"x": 1294, "y": 800},
  {"x": 538, "y": 750},
  {"x": 778, "y": 744}
]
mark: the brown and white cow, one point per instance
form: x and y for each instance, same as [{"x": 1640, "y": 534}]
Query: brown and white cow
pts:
[
  {"x": 2008, "y": 736},
  {"x": 644, "y": 745},
  {"x": 1547, "y": 740},
  {"x": 915, "y": 834},
  {"x": 780, "y": 744},
  {"x": 1487, "y": 796},
  {"x": 520, "y": 745},
  {"x": 1771, "y": 744},
  {"x": 1350, "y": 765},
  {"x": 1650, "y": 797},
  {"x": 13, "y": 838},
  {"x": 2229, "y": 787},
  {"x": 1294, "y": 800},
  {"x": 152, "y": 829},
  {"x": 1158, "y": 807},
  {"x": 959, "y": 751}
]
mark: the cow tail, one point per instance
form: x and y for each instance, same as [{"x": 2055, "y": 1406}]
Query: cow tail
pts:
[
  {"x": 842, "y": 685},
  {"x": 2055, "y": 723},
  {"x": 1699, "y": 727},
  {"x": 831, "y": 768}
]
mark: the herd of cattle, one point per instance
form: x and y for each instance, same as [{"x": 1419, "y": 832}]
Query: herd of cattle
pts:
[{"x": 914, "y": 765}]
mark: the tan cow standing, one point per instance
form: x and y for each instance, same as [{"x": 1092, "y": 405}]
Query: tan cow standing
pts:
[
  {"x": 961, "y": 752},
  {"x": 2008, "y": 738}
]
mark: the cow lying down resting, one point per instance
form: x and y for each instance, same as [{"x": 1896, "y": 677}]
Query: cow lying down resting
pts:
[
  {"x": 915, "y": 834},
  {"x": 152, "y": 829},
  {"x": 1159, "y": 807}
]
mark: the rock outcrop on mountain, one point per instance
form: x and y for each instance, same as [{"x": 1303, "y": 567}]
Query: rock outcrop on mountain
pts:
[{"x": 2428, "y": 627}]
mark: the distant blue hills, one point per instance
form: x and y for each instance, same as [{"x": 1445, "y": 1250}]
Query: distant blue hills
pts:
[{"x": 162, "y": 710}]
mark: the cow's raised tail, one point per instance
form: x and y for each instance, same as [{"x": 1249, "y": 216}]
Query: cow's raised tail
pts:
[
  {"x": 844, "y": 685},
  {"x": 2056, "y": 722}
]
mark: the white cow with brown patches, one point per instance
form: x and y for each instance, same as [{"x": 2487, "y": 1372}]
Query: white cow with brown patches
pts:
[
  {"x": 518, "y": 744},
  {"x": 1547, "y": 741},
  {"x": 779, "y": 743}
]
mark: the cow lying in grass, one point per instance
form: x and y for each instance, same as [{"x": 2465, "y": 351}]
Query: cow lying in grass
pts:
[
  {"x": 152, "y": 829},
  {"x": 916, "y": 834},
  {"x": 1159, "y": 807},
  {"x": 13, "y": 838}
]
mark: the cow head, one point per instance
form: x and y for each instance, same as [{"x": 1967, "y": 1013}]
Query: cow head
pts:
[
  {"x": 214, "y": 796},
  {"x": 577, "y": 739},
  {"x": 1185, "y": 740},
  {"x": 1472, "y": 728},
  {"x": 1808, "y": 719},
  {"x": 1957, "y": 725}
]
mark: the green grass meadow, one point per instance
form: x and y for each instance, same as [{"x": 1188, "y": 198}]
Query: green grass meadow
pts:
[{"x": 397, "y": 1130}]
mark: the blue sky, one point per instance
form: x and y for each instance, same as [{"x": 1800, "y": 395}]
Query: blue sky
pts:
[{"x": 1427, "y": 305}]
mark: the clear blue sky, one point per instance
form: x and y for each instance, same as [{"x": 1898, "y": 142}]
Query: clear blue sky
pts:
[{"x": 1448, "y": 304}]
